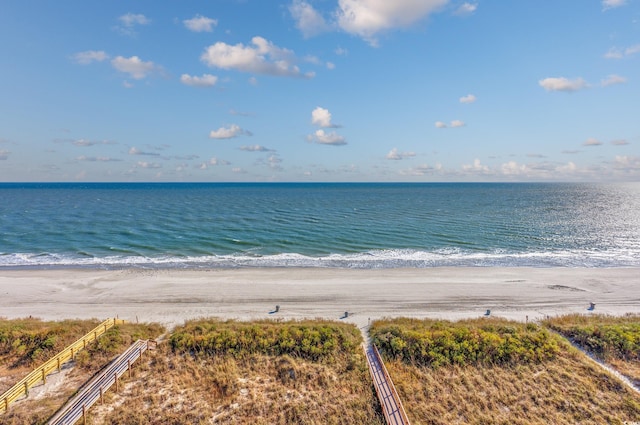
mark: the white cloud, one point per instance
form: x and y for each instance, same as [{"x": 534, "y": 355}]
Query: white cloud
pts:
[
  {"x": 97, "y": 159},
  {"x": 341, "y": 51},
  {"x": 255, "y": 148},
  {"x": 563, "y": 84},
  {"x": 457, "y": 123},
  {"x": 627, "y": 163},
  {"x": 322, "y": 118},
  {"x": 228, "y": 132},
  {"x": 619, "y": 142},
  {"x": 134, "y": 66},
  {"x": 476, "y": 167},
  {"x": 617, "y": 53},
  {"x": 207, "y": 80},
  {"x": 366, "y": 18},
  {"x": 89, "y": 56},
  {"x": 261, "y": 58},
  {"x": 4, "y": 155},
  {"x": 129, "y": 21},
  {"x": 466, "y": 9},
  {"x": 331, "y": 65},
  {"x": 85, "y": 142},
  {"x": 395, "y": 155},
  {"x": 610, "y": 4},
  {"x": 323, "y": 138},
  {"x": 145, "y": 164},
  {"x": 217, "y": 161},
  {"x": 136, "y": 151},
  {"x": 308, "y": 20},
  {"x": 200, "y": 23},
  {"x": 592, "y": 142},
  {"x": 468, "y": 99},
  {"x": 440, "y": 124},
  {"x": 613, "y": 79}
]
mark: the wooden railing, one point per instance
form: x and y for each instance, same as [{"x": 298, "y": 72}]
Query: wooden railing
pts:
[
  {"x": 40, "y": 374},
  {"x": 94, "y": 390},
  {"x": 392, "y": 407}
]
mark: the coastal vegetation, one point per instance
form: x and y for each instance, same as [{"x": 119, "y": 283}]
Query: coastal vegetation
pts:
[
  {"x": 27, "y": 343},
  {"x": 612, "y": 339},
  {"x": 265, "y": 372},
  {"x": 493, "y": 371},
  {"x": 488, "y": 371}
]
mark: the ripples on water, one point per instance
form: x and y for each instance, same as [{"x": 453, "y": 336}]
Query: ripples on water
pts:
[{"x": 319, "y": 225}]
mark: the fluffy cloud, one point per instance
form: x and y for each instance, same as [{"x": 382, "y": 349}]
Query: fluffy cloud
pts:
[
  {"x": 263, "y": 57},
  {"x": 592, "y": 142},
  {"x": 610, "y": 4},
  {"x": 457, "y": 123},
  {"x": 366, "y": 18},
  {"x": 4, "y": 155},
  {"x": 134, "y": 66},
  {"x": 617, "y": 53},
  {"x": 89, "y": 56},
  {"x": 308, "y": 20},
  {"x": 468, "y": 99},
  {"x": 322, "y": 118},
  {"x": 563, "y": 84},
  {"x": 228, "y": 132},
  {"x": 395, "y": 155},
  {"x": 207, "y": 80},
  {"x": 327, "y": 138},
  {"x": 136, "y": 151},
  {"x": 440, "y": 124},
  {"x": 129, "y": 21},
  {"x": 200, "y": 23},
  {"x": 255, "y": 148},
  {"x": 466, "y": 9},
  {"x": 613, "y": 79},
  {"x": 144, "y": 164},
  {"x": 476, "y": 167}
]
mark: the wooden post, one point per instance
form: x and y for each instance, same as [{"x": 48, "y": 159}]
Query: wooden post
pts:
[
  {"x": 44, "y": 377},
  {"x": 58, "y": 364},
  {"x": 115, "y": 378},
  {"x": 84, "y": 415},
  {"x": 71, "y": 353},
  {"x": 129, "y": 366},
  {"x": 101, "y": 396},
  {"x": 26, "y": 389},
  {"x": 6, "y": 404}
]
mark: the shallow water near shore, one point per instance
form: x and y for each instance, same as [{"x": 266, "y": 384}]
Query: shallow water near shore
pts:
[{"x": 200, "y": 225}]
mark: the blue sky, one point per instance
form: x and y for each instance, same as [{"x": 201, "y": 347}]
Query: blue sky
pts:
[{"x": 320, "y": 90}]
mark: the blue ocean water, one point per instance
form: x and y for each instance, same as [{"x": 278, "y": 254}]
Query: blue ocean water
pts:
[{"x": 113, "y": 225}]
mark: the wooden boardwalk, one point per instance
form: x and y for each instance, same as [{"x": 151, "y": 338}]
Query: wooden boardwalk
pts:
[
  {"x": 391, "y": 405},
  {"x": 76, "y": 409}
]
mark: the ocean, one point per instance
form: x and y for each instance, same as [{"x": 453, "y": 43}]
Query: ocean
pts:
[{"x": 341, "y": 225}]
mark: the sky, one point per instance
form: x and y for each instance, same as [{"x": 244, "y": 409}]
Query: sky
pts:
[{"x": 319, "y": 90}]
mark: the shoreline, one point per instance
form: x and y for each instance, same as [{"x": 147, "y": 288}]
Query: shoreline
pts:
[{"x": 171, "y": 296}]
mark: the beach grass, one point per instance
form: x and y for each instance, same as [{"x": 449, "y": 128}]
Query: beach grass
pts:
[
  {"x": 26, "y": 343},
  {"x": 265, "y": 372},
  {"x": 612, "y": 339},
  {"x": 524, "y": 374}
]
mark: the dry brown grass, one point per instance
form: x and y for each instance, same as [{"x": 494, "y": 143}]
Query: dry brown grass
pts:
[
  {"x": 254, "y": 388},
  {"x": 612, "y": 339},
  {"x": 565, "y": 389},
  {"x": 45, "y": 400}
]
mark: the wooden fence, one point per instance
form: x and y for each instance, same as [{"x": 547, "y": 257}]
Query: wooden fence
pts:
[
  {"x": 40, "y": 374},
  {"x": 94, "y": 390}
]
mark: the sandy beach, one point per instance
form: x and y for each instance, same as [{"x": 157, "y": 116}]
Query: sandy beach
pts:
[{"x": 172, "y": 296}]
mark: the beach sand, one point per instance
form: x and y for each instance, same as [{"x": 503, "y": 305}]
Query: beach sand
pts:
[{"x": 172, "y": 296}]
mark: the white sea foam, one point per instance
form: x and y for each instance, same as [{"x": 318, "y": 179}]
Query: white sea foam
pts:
[{"x": 366, "y": 260}]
